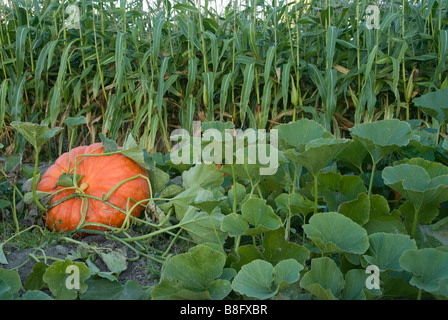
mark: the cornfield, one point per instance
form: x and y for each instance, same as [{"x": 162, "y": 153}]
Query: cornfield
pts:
[{"x": 153, "y": 67}]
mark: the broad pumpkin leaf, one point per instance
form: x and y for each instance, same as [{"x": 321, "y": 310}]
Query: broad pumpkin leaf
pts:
[
  {"x": 206, "y": 201},
  {"x": 5, "y": 291},
  {"x": 197, "y": 271},
  {"x": 317, "y": 153},
  {"x": 445, "y": 143},
  {"x": 358, "y": 210},
  {"x": 67, "y": 179},
  {"x": 324, "y": 280},
  {"x": 73, "y": 122},
  {"x": 56, "y": 276},
  {"x": 109, "y": 145},
  {"x": 355, "y": 285},
  {"x": 293, "y": 204},
  {"x": 35, "y": 134},
  {"x": 434, "y": 104},
  {"x": 12, "y": 283},
  {"x": 132, "y": 150},
  {"x": 381, "y": 219},
  {"x": 36, "y": 295},
  {"x": 353, "y": 154},
  {"x": 234, "y": 224},
  {"x": 159, "y": 180},
  {"x": 245, "y": 254},
  {"x": 276, "y": 248},
  {"x": 297, "y": 134},
  {"x": 206, "y": 176},
  {"x": 103, "y": 289},
  {"x": 381, "y": 138},
  {"x": 429, "y": 266},
  {"x": 386, "y": 249},
  {"x": 259, "y": 215},
  {"x": 34, "y": 280},
  {"x": 337, "y": 189},
  {"x": 434, "y": 235},
  {"x": 171, "y": 289},
  {"x": 260, "y": 279},
  {"x": 115, "y": 260},
  {"x": 333, "y": 232},
  {"x": 203, "y": 227},
  {"x": 181, "y": 202},
  {"x": 422, "y": 182}
]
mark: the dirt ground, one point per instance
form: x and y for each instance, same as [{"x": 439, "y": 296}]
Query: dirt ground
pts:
[{"x": 138, "y": 270}]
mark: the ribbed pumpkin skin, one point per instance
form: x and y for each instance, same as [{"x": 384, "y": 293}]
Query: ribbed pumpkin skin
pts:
[{"x": 101, "y": 173}]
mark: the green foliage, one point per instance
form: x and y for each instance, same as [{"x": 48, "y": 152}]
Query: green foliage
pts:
[
  {"x": 356, "y": 186},
  {"x": 195, "y": 274}
]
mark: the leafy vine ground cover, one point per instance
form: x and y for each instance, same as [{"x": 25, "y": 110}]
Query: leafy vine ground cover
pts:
[{"x": 334, "y": 208}]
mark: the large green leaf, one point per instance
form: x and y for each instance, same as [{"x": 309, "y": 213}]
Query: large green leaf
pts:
[
  {"x": 260, "y": 279},
  {"x": 332, "y": 232},
  {"x": 10, "y": 284},
  {"x": 381, "y": 138},
  {"x": 434, "y": 104},
  {"x": 207, "y": 201},
  {"x": 197, "y": 272},
  {"x": 353, "y": 154},
  {"x": 324, "y": 280},
  {"x": 56, "y": 276},
  {"x": 337, "y": 189},
  {"x": 206, "y": 176},
  {"x": 357, "y": 210},
  {"x": 355, "y": 285},
  {"x": 35, "y": 134},
  {"x": 422, "y": 182},
  {"x": 317, "y": 153},
  {"x": 297, "y": 134},
  {"x": 203, "y": 227},
  {"x": 104, "y": 289},
  {"x": 234, "y": 224},
  {"x": 276, "y": 248},
  {"x": 132, "y": 150},
  {"x": 259, "y": 215},
  {"x": 293, "y": 204},
  {"x": 386, "y": 249},
  {"x": 381, "y": 219},
  {"x": 428, "y": 266}
]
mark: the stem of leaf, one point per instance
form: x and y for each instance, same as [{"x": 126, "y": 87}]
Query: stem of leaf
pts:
[
  {"x": 371, "y": 178},
  {"x": 414, "y": 223},
  {"x": 234, "y": 189},
  {"x": 315, "y": 194},
  {"x": 214, "y": 229},
  {"x": 419, "y": 295},
  {"x": 14, "y": 210},
  {"x": 36, "y": 200},
  {"x": 237, "y": 238}
]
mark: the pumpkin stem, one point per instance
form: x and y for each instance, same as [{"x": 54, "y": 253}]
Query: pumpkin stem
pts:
[{"x": 83, "y": 186}]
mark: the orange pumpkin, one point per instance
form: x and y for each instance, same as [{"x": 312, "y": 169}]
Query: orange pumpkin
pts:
[{"x": 100, "y": 174}]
